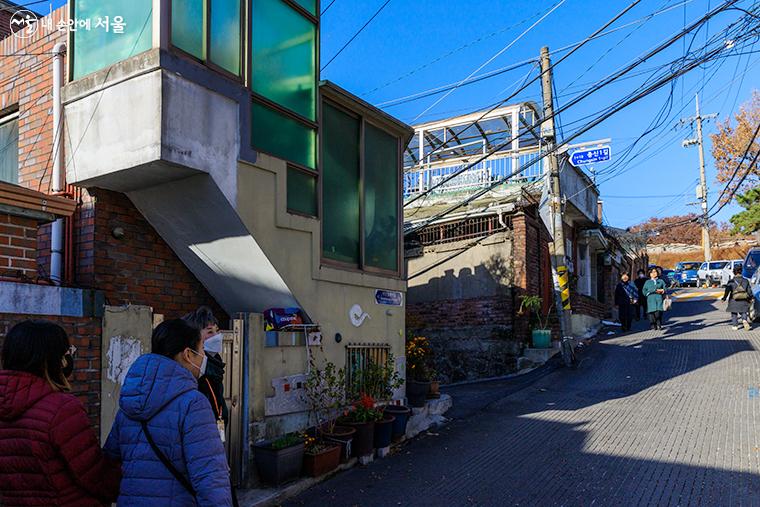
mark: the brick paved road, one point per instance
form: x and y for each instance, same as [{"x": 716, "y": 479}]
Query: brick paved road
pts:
[{"x": 647, "y": 419}]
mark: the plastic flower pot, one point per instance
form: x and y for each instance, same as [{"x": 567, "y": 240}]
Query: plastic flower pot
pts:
[
  {"x": 323, "y": 462},
  {"x": 401, "y": 414},
  {"x": 343, "y": 436},
  {"x": 542, "y": 338},
  {"x": 416, "y": 392},
  {"x": 278, "y": 466},
  {"x": 384, "y": 431},
  {"x": 363, "y": 441}
]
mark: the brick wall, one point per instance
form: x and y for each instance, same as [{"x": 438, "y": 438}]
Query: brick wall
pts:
[
  {"x": 84, "y": 333},
  {"x": 18, "y": 247},
  {"x": 586, "y": 305}
]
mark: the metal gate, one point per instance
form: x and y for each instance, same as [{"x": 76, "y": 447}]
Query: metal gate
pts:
[{"x": 232, "y": 355}]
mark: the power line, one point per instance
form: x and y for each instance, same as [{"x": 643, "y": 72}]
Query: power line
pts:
[
  {"x": 601, "y": 84},
  {"x": 355, "y": 35},
  {"x": 650, "y": 89},
  {"x": 327, "y": 8},
  {"x": 492, "y": 58}
]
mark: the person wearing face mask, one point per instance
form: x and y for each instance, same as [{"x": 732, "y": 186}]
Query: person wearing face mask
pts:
[
  {"x": 49, "y": 452},
  {"x": 165, "y": 433},
  {"x": 211, "y": 384}
]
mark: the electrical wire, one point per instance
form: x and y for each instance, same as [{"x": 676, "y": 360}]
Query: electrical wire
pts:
[{"x": 355, "y": 35}]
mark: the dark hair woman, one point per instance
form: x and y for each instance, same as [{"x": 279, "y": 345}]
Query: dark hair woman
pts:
[
  {"x": 49, "y": 453},
  {"x": 739, "y": 296},
  {"x": 165, "y": 432},
  {"x": 654, "y": 291}
]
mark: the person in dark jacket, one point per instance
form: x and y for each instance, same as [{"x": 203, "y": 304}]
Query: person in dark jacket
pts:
[
  {"x": 739, "y": 296},
  {"x": 654, "y": 291},
  {"x": 625, "y": 299},
  {"x": 49, "y": 452},
  {"x": 211, "y": 384},
  {"x": 160, "y": 399},
  {"x": 641, "y": 307}
]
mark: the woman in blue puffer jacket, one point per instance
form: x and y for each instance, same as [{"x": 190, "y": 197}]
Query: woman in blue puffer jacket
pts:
[{"x": 160, "y": 394}]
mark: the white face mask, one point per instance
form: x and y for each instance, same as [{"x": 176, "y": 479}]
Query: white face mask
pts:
[
  {"x": 213, "y": 344},
  {"x": 202, "y": 367}
]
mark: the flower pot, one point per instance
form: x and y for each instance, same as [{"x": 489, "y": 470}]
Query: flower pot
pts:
[
  {"x": 323, "y": 462},
  {"x": 384, "y": 431},
  {"x": 278, "y": 466},
  {"x": 401, "y": 413},
  {"x": 363, "y": 442},
  {"x": 416, "y": 392},
  {"x": 542, "y": 338},
  {"x": 343, "y": 436},
  {"x": 435, "y": 390}
]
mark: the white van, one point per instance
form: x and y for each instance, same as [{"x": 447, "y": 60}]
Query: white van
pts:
[{"x": 727, "y": 273}]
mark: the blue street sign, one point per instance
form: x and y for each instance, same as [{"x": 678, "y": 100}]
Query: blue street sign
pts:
[
  {"x": 583, "y": 157},
  {"x": 389, "y": 297}
]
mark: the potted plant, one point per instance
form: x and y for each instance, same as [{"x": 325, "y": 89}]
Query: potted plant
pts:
[
  {"x": 541, "y": 334},
  {"x": 401, "y": 415},
  {"x": 320, "y": 457},
  {"x": 362, "y": 417},
  {"x": 418, "y": 372},
  {"x": 324, "y": 392},
  {"x": 280, "y": 460}
]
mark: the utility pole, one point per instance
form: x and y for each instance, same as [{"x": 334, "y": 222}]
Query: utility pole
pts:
[
  {"x": 702, "y": 189},
  {"x": 548, "y": 135}
]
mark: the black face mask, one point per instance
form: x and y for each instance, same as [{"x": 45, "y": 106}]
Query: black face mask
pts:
[{"x": 68, "y": 367}]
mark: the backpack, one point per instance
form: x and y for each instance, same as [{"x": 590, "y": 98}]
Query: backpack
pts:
[{"x": 740, "y": 292}]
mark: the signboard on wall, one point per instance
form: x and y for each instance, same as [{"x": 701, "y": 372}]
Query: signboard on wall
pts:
[{"x": 389, "y": 297}]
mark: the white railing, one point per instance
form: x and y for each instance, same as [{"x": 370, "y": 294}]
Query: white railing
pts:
[{"x": 485, "y": 173}]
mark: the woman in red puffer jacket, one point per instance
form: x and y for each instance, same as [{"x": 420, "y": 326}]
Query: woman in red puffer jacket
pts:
[{"x": 49, "y": 453}]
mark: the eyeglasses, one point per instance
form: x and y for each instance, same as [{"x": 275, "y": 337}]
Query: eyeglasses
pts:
[{"x": 72, "y": 350}]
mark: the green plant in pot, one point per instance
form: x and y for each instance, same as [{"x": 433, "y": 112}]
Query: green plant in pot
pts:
[
  {"x": 320, "y": 456},
  {"x": 280, "y": 461},
  {"x": 419, "y": 357},
  {"x": 362, "y": 417},
  {"x": 381, "y": 380},
  {"x": 541, "y": 334},
  {"x": 324, "y": 393}
]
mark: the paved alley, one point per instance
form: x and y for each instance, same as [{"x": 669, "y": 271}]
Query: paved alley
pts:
[{"x": 648, "y": 418}]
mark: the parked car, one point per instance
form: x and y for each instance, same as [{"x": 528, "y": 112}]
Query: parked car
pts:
[
  {"x": 727, "y": 273},
  {"x": 669, "y": 276},
  {"x": 750, "y": 271},
  {"x": 702, "y": 274},
  {"x": 686, "y": 273},
  {"x": 713, "y": 272}
]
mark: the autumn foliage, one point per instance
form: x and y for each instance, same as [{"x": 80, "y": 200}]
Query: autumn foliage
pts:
[{"x": 688, "y": 231}]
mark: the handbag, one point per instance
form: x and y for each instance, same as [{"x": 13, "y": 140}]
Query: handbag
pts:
[
  {"x": 168, "y": 464},
  {"x": 667, "y": 303}
]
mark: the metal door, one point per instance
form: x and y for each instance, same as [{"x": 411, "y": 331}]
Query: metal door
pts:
[{"x": 232, "y": 355}]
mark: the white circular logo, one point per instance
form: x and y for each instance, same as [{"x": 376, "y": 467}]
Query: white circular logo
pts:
[{"x": 24, "y": 24}]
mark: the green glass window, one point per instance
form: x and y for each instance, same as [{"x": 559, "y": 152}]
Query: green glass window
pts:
[
  {"x": 96, "y": 48},
  {"x": 381, "y": 194},
  {"x": 225, "y": 46},
  {"x": 188, "y": 22},
  {"x": 340, "y": 170},
  {"x": 9, "y": 149},
  {"x": 283, "y": 137},
  {"x": 284, "y": 56},
  {"x": 302, "y": 192}
]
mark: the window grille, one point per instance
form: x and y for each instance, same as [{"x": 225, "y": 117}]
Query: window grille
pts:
[
  {"x": 359, "y": 357},
  {"x": 463, "y": 229}
]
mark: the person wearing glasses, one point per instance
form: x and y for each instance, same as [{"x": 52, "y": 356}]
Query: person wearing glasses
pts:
[{"x": 49, "y": 452}]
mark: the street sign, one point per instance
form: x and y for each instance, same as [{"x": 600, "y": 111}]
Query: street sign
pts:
[
  {"x": 583, "y": 157},
  {"x": 389, "y": 297}
]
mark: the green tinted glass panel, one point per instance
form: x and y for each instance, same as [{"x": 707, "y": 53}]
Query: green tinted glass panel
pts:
[
  {"x": 188, "y": 32},
  {"x": 340, "y": 198},
  {"x": 381, "y": 195},
  {"x": 96, "y": 48},
  {"x": 309, "y": 5},
  {"x": 284, "y": 56},
  {"x": 282, "y": 137},
  {"x": 302, "y": 192},
  {"x": 225, "y": 41},
  {"x": 9, "y": 150}
]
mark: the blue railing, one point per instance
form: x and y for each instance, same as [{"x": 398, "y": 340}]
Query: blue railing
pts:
[{"x": 480, "y": 175}]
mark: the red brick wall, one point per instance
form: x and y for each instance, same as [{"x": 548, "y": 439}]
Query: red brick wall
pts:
[
  {"x": 18, "y": 247},
  {"x": 84, "y": 333},
  {"x": 589, "y": 306},
  {"x": 140, "y": 268},
  {"x": 491, "y": 312}
]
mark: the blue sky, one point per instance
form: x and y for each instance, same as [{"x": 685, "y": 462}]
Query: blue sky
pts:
[{"x": 442, "y": 42}]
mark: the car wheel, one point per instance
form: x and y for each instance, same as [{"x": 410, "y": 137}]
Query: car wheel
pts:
[{"x": 753, "y": 312}]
